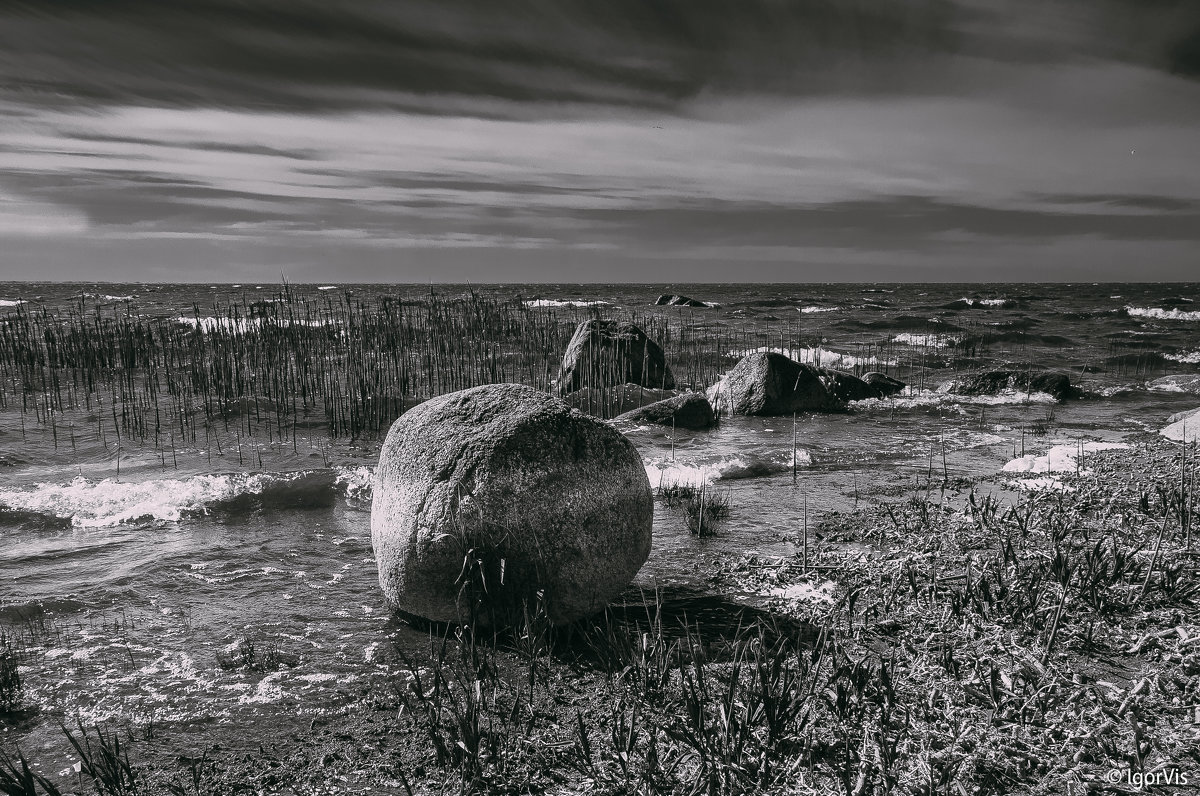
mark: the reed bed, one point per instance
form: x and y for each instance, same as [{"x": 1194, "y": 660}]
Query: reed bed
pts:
[{"x": 346, "y": 365}]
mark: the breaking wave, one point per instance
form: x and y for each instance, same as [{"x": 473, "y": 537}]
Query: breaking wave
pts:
[
  {"x": 926, "y": 340},
  {"x": 818, "y": 356},
  {"x": 87, "y": 503},
  {"x": 565, "y": 303},
  {"x": 663, "y": 472},
  {"x": 1163, "y": 315},
  {"x": 1186, "y": 357}
]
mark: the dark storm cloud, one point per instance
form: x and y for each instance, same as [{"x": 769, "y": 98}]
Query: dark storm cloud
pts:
[
  {"x": 301, "y": 53},
  {"x": 306, "y": 54}
]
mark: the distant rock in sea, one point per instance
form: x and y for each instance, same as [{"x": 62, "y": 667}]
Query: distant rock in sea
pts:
[
  {"x": 506, "y": 486},
  {"x": 667, "y": 300}
]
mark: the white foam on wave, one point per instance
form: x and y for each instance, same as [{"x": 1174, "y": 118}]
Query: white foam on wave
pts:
[
  {"x": 818, "y": 356},
  {"x": 1186, "y": 357},
  {"x": 664, "y": 472},
  {"x": 328, "y": 287},
  {"x": 1163, "y": 315},
  {"x": 355, "y": 482},
  {"x": 243, "y": 325},
  {"x": 98, "y": 504},
  {"x": 922, "y": 399},
  {"x": 106, "y": 297},
  {"x": 565, "y": 303},
  {"x": 815, "y": 308},
  {"x": 1060, "y": 458},
  {"x": 11, "y": 302},
  {"x": 926, "y": 340}
]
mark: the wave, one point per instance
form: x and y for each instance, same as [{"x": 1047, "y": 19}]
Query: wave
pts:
[
  {"x": 818, "y": 356},
  {"x": 11, "y": 302},
  {"x": 938, "y": 399},
  {"x": 243, "y": 325},
  {"x": 664, "y": 472},
  {"x": 815, "y": 308},
  {"x": 1159, "y": 313},
  {"x": 106, "y": 297},
  {"x": 327, "y": 287},
  {"x": 1186, "y": 357},
  {"x": 566, "y": 303},
  {"x": 87, "y": 503},
  {"x": 970, "y": 303},
  {"x": 355, "y": 482},
  {"x": 926, "y": 340}
]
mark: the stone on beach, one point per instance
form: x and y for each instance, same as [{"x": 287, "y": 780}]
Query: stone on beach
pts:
[
  {"x": 508, "y": 483},
  {"x": 612, "y": 352},
  {"x": 767, "y": 383},
  {"x": 690, "y": 410},
  {"x": 1183, "y": 426}
]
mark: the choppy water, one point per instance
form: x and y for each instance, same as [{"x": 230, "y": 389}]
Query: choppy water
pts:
[{"x": 152, "y": 563}]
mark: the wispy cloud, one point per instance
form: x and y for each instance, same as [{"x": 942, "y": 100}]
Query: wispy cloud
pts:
[{"x": 777, "y": 133}]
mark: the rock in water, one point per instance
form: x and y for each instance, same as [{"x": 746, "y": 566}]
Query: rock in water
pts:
[
  {"x": 883, "y": 384},
  {"x": 1178, "y": 383},
  {"x": 772, "y": 384},
  {"x": 993, "y": 382},
  {"x": 603, "y": 352},
  {"x": 847, "y": 386},
  {"x": 485, "y": 496},
  {"x": 666, "y": 300},
  {"x": 690, "y": 410}
]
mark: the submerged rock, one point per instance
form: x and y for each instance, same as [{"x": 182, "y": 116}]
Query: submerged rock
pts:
[
  {"x": 993, "y": 382},
  {"x": 772, "y": 384},
  {"x": 666, "y": 300},
  {"x": 485, "y": 497},
  {"x": 885, "y": 385},
  {"x": 848, "y": 387},
  {"x": 616, "y": 352},
  {"x": 690, "y": 410}
]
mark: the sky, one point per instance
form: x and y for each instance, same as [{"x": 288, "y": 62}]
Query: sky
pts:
[{"x": 583, "y": 141}]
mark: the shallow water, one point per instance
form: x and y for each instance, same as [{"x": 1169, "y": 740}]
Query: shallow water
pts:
[{"x": 150, "y": 562}]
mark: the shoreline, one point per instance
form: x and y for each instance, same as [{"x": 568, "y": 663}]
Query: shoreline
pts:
[{"x": 952, "y": 652}]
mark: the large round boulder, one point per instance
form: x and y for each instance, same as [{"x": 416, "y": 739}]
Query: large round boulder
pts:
[
  {"x": 603, "y": 353},
  {"x": 766, "y": 383},
  {"x": 487, "y": 497}
]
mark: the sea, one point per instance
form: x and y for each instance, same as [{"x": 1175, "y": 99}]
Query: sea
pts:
[{"x": 127, "y": 576}]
